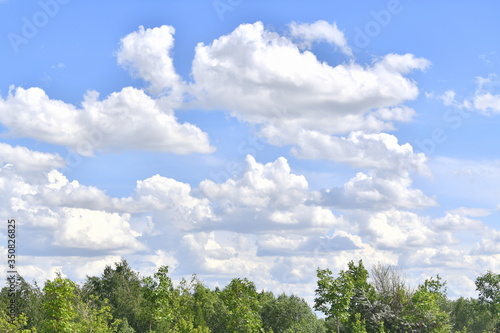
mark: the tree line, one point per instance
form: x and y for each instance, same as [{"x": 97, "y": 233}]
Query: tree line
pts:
[{"x": 352, "y": 301}]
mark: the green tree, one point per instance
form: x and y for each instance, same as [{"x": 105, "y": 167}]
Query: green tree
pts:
[
  {"x": 121, "y": 286},
  {"x": 158, "y": 297},
  {"x": 184, "y": 308},
  {"x": 289, "y": 314},
  {"x": 467, "y": 314},
  {"x": 243, "y": 307},
  {"x": 358, "y": 325},
  {"x": 14, "y": 326},
  {"x": 488, "y": 286},
  {"x": 28, "y": 300},
  {"x": 95, "y": 316},
  {"x": 333, "y": 296},
  {"x": 209, "y": 309},
  {"x": 59, "y": 305},
  {"x": 363, "y": 292},
  {"x": 423, "y": 312}
]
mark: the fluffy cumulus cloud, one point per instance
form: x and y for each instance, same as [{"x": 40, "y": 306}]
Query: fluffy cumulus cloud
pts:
[
  {"x": 379, "y": 151},
  {"x": 377, "y": 193},
  {"x": 398, "y": 230},
  {"x": 23, "y": 160},
  {"x": 269, "y": 79},
  {"x": 128, "y": 119},
  {"x": 146, "y": 53},
  {"x": 267, "y": 197},
  {"x": 82, "y": 228},
  {"x": 56, "y": 212},
  {"x": 266, "y": 224}
]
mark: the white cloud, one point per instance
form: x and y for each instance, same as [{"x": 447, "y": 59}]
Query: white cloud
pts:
[
  {"x": 97, "y": 231},
  {"x": 320, "y": 31},
  {"x": 487, "y": 103},
  {"x": 376, "y": 193},
  {"x": 267, "y": 197},
  {"x": 489, "y": 244},
  {"x": 370, "y": 151},
  {"x": 128, "y": 119},
  {"x": 394, "y": 229},
  {"x": 306, "y": 245},
  {"x": 146, "y": 53},
  {"x": 23, "y": 160},
  {"x": 268, "y": 79}
]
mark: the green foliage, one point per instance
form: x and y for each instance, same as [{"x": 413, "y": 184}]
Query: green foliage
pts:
[
  {"x": 14, "y": 326},
  {"x": 208, "y": 308},
  {"x": 27, "y": 300},
  {"x": 359, "y": 324},
  {"x": 488, "y": 286},
  {"x": 467, "y": 315},
  {"x": 243, "y": 308},
  {"x": 96, "y": 318},
  {"x": 333, "y": 296},
  {"x": 158, "y": 298},
  {"x": 121, "y": 286},
  {"x": 385, "y": 311},
  {"x": 351, "y": 302},
  {"x": 59, "y": 306},
  {"x": 289, "y": 314},
  {"x": 423, "y": 312}
]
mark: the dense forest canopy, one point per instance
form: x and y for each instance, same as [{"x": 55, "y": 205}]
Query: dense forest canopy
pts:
[{"x": 354, "y": 300}]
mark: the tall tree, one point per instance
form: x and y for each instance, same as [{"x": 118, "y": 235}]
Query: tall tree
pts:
[
  {"x": 488, "y": 286},
  {"x": 28, "y": 300},
  {"x": 363, "y": 292},
  {"x": 121, "y": 286},
  {"x": 423, "y": 312},
  {"x": 59, "y": 306},
  {"x": 333, "y": 295},
  {"x": 158, "y": 298},
  {"x": 243, "y": 307}
]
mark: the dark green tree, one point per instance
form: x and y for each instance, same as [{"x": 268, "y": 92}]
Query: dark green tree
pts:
[
  {"x": 28, "y": 301},
  {"x": 488, "y": 286},
  {"x": 243, "y": 308},
  {"x": 289, "y": 314},
  {"x": 363, "y": 292},
  {"x": 121, "y": 286},
  {"x": 467, "y": 314},
  {"x": 209, "y": 308}
]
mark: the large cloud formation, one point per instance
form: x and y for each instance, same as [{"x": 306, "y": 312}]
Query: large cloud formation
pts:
[{"x": 266, "y": 223}]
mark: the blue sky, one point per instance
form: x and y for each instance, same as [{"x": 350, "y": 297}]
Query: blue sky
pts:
[{"x": 252, "y": 138}]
